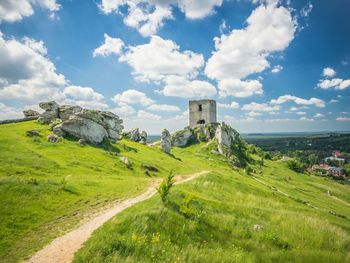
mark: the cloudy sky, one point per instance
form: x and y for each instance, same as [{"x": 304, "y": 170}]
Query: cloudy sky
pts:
[{"x": 271, "y": 65}]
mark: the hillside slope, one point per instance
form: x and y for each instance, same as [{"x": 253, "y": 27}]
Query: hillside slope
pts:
[
  {"x": 47, "y": 188},
  {"x": 228, "y": 216}
]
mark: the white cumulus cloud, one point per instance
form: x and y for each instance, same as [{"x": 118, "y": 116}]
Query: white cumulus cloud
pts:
[
  {"x": 177, "y": 86},
  {"x": 132, "y": 96},
  {"x": 160, "y": 57},
  {"x": 262, "y": 107},
  {"x": 164, "y": 107},
  {"x": 329, "y": 72},
  {"x": 148, "y": 16},
  {"x": 28, "y": 76},
  {"x": 110, "y": 46},
  {"x": 270, "y": 28},
  {"x": 276, "y": 69},
  {"x": 286, "y": 98},
  {"x": 15, "y": 10},
  {"x": 239, "y": 88},
  {"x": 145, "y": 115},
  {"x": 233, "y": 105}
]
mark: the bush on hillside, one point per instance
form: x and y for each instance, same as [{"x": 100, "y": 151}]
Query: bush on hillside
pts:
[
  {"x": 165, "y": 187},
  {"x": 296, "y": 165}
]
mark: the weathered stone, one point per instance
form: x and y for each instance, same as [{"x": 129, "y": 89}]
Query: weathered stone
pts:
[
  {"x": 30, "y": 113},
  {"x": 32, "y": 133},
  {"x": 143, "y": 137},
  {"x": 58, "y": 131},
  {"x": 53, "y": 138},
  {"x": 65, "y": 111},
  {"x": 225, "y": 136},
  {"x": 49, "y": 105},
  {"x": 112, "y": 121},
  {"x": 93, "y": 115},
  {"x": 258, "y": 227},
  {"x": 165, "y": 141},
  {"x": 84, "y": 128},
  {"x": 51, "y": 112},
  {"x": 182, "y": 138},
  {"x": 82, "y": 142},
  {"x": 133, "y": 135},
  {"x": 126, "y": 161}
]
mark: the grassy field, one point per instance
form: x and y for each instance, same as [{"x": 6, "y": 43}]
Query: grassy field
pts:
[
  {"x": 212, "y": 219},
  {"x": 47, "y": 188}
]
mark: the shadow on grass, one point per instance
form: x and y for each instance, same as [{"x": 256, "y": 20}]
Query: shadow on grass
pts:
[
  {"x": 105, "y": 144},
  {"x": 173, "y": 156}
]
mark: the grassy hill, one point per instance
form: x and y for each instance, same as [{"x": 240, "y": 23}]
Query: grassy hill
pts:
[
  {"x": 275, "y": 215},
  {"x": 46, "y": 188},
  {"x": 227, "y": 216}
]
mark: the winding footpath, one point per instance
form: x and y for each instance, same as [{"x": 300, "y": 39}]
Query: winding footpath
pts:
[{"x": 62, "y": 249}]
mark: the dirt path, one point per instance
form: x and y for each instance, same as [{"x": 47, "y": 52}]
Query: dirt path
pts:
[{"x": 62, "y": 249}]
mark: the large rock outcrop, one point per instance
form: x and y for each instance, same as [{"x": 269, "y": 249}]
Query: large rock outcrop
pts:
[
  {"x": 143, "y": 137},
  {"x": 182, "y": 138},
  {"x": 50, "y": 113},
  {"x": 65, "y": 111},
  {"x": 165, "y": 141},
  {"x": 91, "y": 125},
  {"x": 133, "y": 135},
  {"x": 187, "y": 136},
  {"x": 226, "y": 136}
]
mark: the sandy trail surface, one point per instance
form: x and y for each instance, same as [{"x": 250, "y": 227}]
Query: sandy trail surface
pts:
[{"x": 62, "y": 249}]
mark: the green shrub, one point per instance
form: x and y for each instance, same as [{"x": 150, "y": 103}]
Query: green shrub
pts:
[
  {"x": 165, "y": 187},
  {"x": 185, "y": 208},
  {"x": 296, "y": 165}
]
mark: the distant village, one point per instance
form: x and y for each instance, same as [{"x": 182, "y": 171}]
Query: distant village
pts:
[{"x": 331, "y": 166}]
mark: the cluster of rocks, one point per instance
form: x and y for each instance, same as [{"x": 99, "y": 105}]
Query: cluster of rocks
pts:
[
  {"x": 224, "y": 135},
  {"x": 136, "y": 136},
  {"x": 53, "y": 138},
  {"x": 92, "y": 126}
]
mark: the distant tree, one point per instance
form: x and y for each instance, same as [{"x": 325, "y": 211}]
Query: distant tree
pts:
[
  {"x": 313, "y": 159},
  {"x": 165, "y": 186},
  {"x": 296, "y": 165},
  {"x": 346, "y": 169}
]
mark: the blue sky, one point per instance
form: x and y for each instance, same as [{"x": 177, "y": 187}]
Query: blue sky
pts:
[{"x": 271, "y": 65}]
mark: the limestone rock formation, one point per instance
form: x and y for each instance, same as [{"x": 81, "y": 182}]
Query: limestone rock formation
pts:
[
  {"x": 133, "y": 135},
  {"x": 82, "y": 128},
  {"x": 225, "y": 136},
  {"x": 143, "y": 137},
  {"x": 91, "y": 125},
  {"x": 65, "y": 111},
  {"x": 165, "y": 141},
  {"x": 50, "y": 113},
  {"x": 182, "y": 138},
  {"x": 30, "y": 113}
]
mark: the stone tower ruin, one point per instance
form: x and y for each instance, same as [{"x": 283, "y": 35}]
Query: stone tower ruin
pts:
[{"x": 202, "y": 112}]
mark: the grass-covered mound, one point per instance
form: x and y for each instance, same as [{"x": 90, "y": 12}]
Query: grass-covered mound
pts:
[
  {"x": 47, "y": 188},
  {"x": 228, "y": 216}
]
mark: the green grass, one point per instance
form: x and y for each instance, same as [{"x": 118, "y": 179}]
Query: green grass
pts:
[
  {"x": 212, "y": 219},
  {"x": 47, "y": 188}
]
